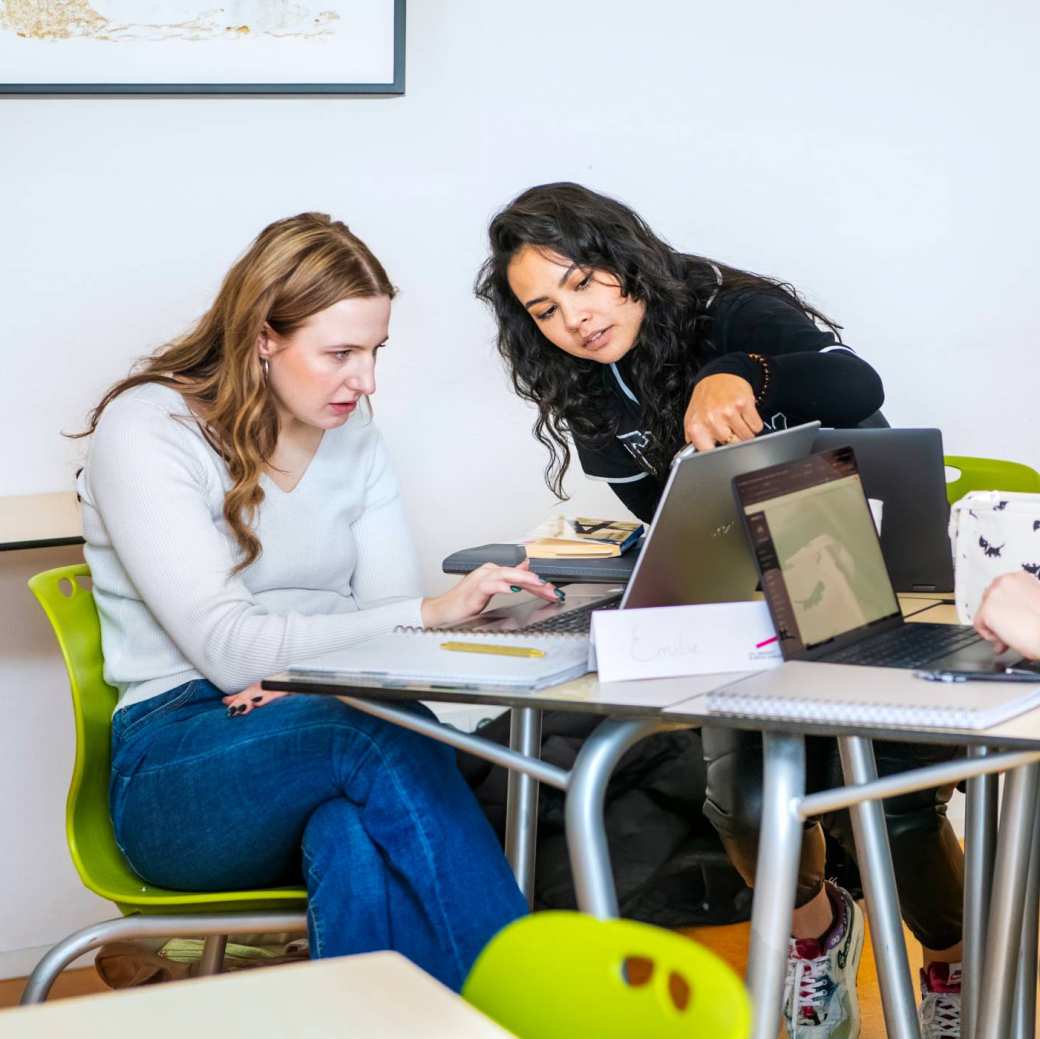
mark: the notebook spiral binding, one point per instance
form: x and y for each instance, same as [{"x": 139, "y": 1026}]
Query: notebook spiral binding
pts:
[
  {"x": 411, "y": 629},
  {"x": 885, "y": 715}
]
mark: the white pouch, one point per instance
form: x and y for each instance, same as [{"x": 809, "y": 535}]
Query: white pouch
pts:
[{"x": 992, "y": 533}]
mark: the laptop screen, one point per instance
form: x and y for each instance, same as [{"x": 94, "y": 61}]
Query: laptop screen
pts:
[{"x": 814, "y": 539}]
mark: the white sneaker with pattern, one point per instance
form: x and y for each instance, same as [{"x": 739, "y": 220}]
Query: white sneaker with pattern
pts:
[
  {"x": 940, "y": 1010},
  {"x": 820, "y": 999}
]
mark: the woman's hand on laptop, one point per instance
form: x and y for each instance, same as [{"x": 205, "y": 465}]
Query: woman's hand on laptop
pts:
[
  {"x": 1009, "y": 614},
  {"x": 721, "y": 411},
  {"x": 474, "y": 591}
]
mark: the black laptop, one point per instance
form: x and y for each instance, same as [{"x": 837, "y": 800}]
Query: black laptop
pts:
[
  {"x": 824, "y": 576},
  {"x": 904, "y": 469}
]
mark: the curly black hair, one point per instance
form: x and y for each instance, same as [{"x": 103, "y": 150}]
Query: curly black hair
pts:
[{"x": 596, "y": 232}]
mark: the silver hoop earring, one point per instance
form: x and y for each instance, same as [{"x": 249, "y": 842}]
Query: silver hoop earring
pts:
[{"x": 265, "y": 366}]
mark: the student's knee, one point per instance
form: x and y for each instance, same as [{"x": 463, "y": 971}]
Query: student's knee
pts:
[
  {"x": 919, "y": 812},
  {"x": 733, "y": 800},
  {"x": 406, "y": 750}
]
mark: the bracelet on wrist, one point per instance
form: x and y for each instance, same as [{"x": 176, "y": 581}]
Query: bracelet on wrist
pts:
[{"x": 763, "y": 363}]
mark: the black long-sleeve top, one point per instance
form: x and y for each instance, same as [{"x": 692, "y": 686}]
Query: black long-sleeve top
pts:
[{"x": 811, "y": 376}]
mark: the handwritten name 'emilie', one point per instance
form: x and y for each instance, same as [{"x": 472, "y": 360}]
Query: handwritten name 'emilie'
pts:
[{"x": 643, "y": 649}]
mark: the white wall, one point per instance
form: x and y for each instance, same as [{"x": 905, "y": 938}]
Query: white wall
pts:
[{"x": 877, "y": 156}]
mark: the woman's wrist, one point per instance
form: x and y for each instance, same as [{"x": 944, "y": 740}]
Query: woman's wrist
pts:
[
  {"x": 739, "y": 364},
  {"x": 430, "y": 609}
]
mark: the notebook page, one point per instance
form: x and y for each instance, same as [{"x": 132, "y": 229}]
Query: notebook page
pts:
[{"x": 421, "y": 657}]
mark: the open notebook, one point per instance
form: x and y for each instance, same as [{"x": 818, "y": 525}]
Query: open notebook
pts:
[
  {"x": 889, "y": 698},
  {"x": 455, "y": 660}
]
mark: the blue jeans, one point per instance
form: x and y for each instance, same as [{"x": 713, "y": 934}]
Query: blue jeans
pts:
[{"x": 377, "y": 820}]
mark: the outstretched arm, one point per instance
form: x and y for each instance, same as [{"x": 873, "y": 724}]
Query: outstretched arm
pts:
[{"x": 775, "y": 360}]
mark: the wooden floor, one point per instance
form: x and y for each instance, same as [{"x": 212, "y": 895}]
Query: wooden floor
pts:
[
  {"x": 730, "y": 943},
  {"x": 69, "y": 983}
]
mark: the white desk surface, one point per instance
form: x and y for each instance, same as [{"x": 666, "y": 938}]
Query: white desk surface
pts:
[
  {"x": 1021, "y": 732},
  {"x": 643, "y": 699},
  {"x": 646, "y": 698},
  {"x": 378, "y": 995},
  {"x": 40, "y": 520}
]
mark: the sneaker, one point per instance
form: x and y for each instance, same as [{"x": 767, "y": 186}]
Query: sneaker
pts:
[
  {"x": 820, "y": 999},
  {"x": 940, "y": 1010}
]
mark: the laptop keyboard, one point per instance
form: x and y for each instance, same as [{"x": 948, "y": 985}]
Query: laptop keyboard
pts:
[
  {"x": 570, "y": 622},
  {"x": 912, "y": 645}
]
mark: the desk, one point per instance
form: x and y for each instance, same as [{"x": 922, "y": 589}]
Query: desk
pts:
[
  {"x": 632, "y": 710},
  {"x": 378, "y": 995},
  {"x": 1005, "y": 928},
  {"x": 40, "y": 521},
  {"x": 943, "y": 612}
]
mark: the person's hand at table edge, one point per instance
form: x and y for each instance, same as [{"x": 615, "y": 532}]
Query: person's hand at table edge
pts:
[{"x": 1009, "y": 614}]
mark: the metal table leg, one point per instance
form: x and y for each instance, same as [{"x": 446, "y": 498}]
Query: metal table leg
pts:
[
  {"x": 1023, "y": 1013},
  {"x": 776, "y": 878},
  {"x": 586, "y": 793},
  {"x": 213, "y": 950},
  {"x": 980, "y": 846},
  {"x": 879, "y": 889},
  {"x": 525, "y": 737},
  {"x": 1003, "y": 941}
]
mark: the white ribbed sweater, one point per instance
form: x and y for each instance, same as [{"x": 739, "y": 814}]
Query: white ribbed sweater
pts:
[{"x": 337, "y": 565}]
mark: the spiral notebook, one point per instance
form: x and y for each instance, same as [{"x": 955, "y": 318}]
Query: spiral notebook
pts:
[
  {"x": 455, "y": 659},
  {"x": 889, "y": 698}
]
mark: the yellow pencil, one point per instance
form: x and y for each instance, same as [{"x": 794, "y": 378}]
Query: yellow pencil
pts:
[{"x": 489, "y": 647}]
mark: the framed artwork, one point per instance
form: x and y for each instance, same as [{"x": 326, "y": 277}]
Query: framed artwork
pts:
[{"x": 202, "y": 46}]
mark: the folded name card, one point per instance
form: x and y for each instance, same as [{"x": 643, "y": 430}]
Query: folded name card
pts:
[{"x": 667, "y": 641}]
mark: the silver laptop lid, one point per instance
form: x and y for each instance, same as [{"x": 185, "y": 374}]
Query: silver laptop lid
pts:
[{"x": 695, "y": 550}]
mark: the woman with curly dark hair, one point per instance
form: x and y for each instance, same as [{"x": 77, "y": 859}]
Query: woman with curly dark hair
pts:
[
  {"x": 631, "y": 349},
  {"x": 656, "y": 348}
]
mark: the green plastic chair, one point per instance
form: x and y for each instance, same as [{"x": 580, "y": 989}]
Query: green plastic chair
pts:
[
  {"x": 558, "y": 975},
  {"x": 989, "y": 474},
  {"x": 148, "y": 911}
]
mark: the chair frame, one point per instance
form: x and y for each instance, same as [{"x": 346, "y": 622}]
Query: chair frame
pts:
[{"x": 216, "y": 927}]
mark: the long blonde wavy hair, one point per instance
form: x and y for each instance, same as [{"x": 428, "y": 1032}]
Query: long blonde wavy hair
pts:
[{"x": 295, "y": 268}]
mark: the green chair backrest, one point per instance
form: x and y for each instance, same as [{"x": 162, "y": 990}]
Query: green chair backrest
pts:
[
  {"x": 560, "y": 975},
  {"x": 989, "y": 474},
  {"x": 66, "y": 598}
]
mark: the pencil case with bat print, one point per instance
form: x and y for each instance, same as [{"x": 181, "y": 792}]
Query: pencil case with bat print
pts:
[{"x": 992, "y": 533}]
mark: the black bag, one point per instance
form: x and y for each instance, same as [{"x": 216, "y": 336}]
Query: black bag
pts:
[{"x": 669, "y": 865}]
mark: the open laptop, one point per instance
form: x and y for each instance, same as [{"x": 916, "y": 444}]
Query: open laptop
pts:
[
  {"x": 904, "y": 469},
  {"x": 694, "y": 552},
  {"x": 824, "y": 577}
]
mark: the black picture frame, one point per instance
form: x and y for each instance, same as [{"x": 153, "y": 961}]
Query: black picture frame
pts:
[{"x": 394, "y": 87}]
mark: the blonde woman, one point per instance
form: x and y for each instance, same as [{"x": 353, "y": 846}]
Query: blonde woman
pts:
[{"x": 240, "y": 514}]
